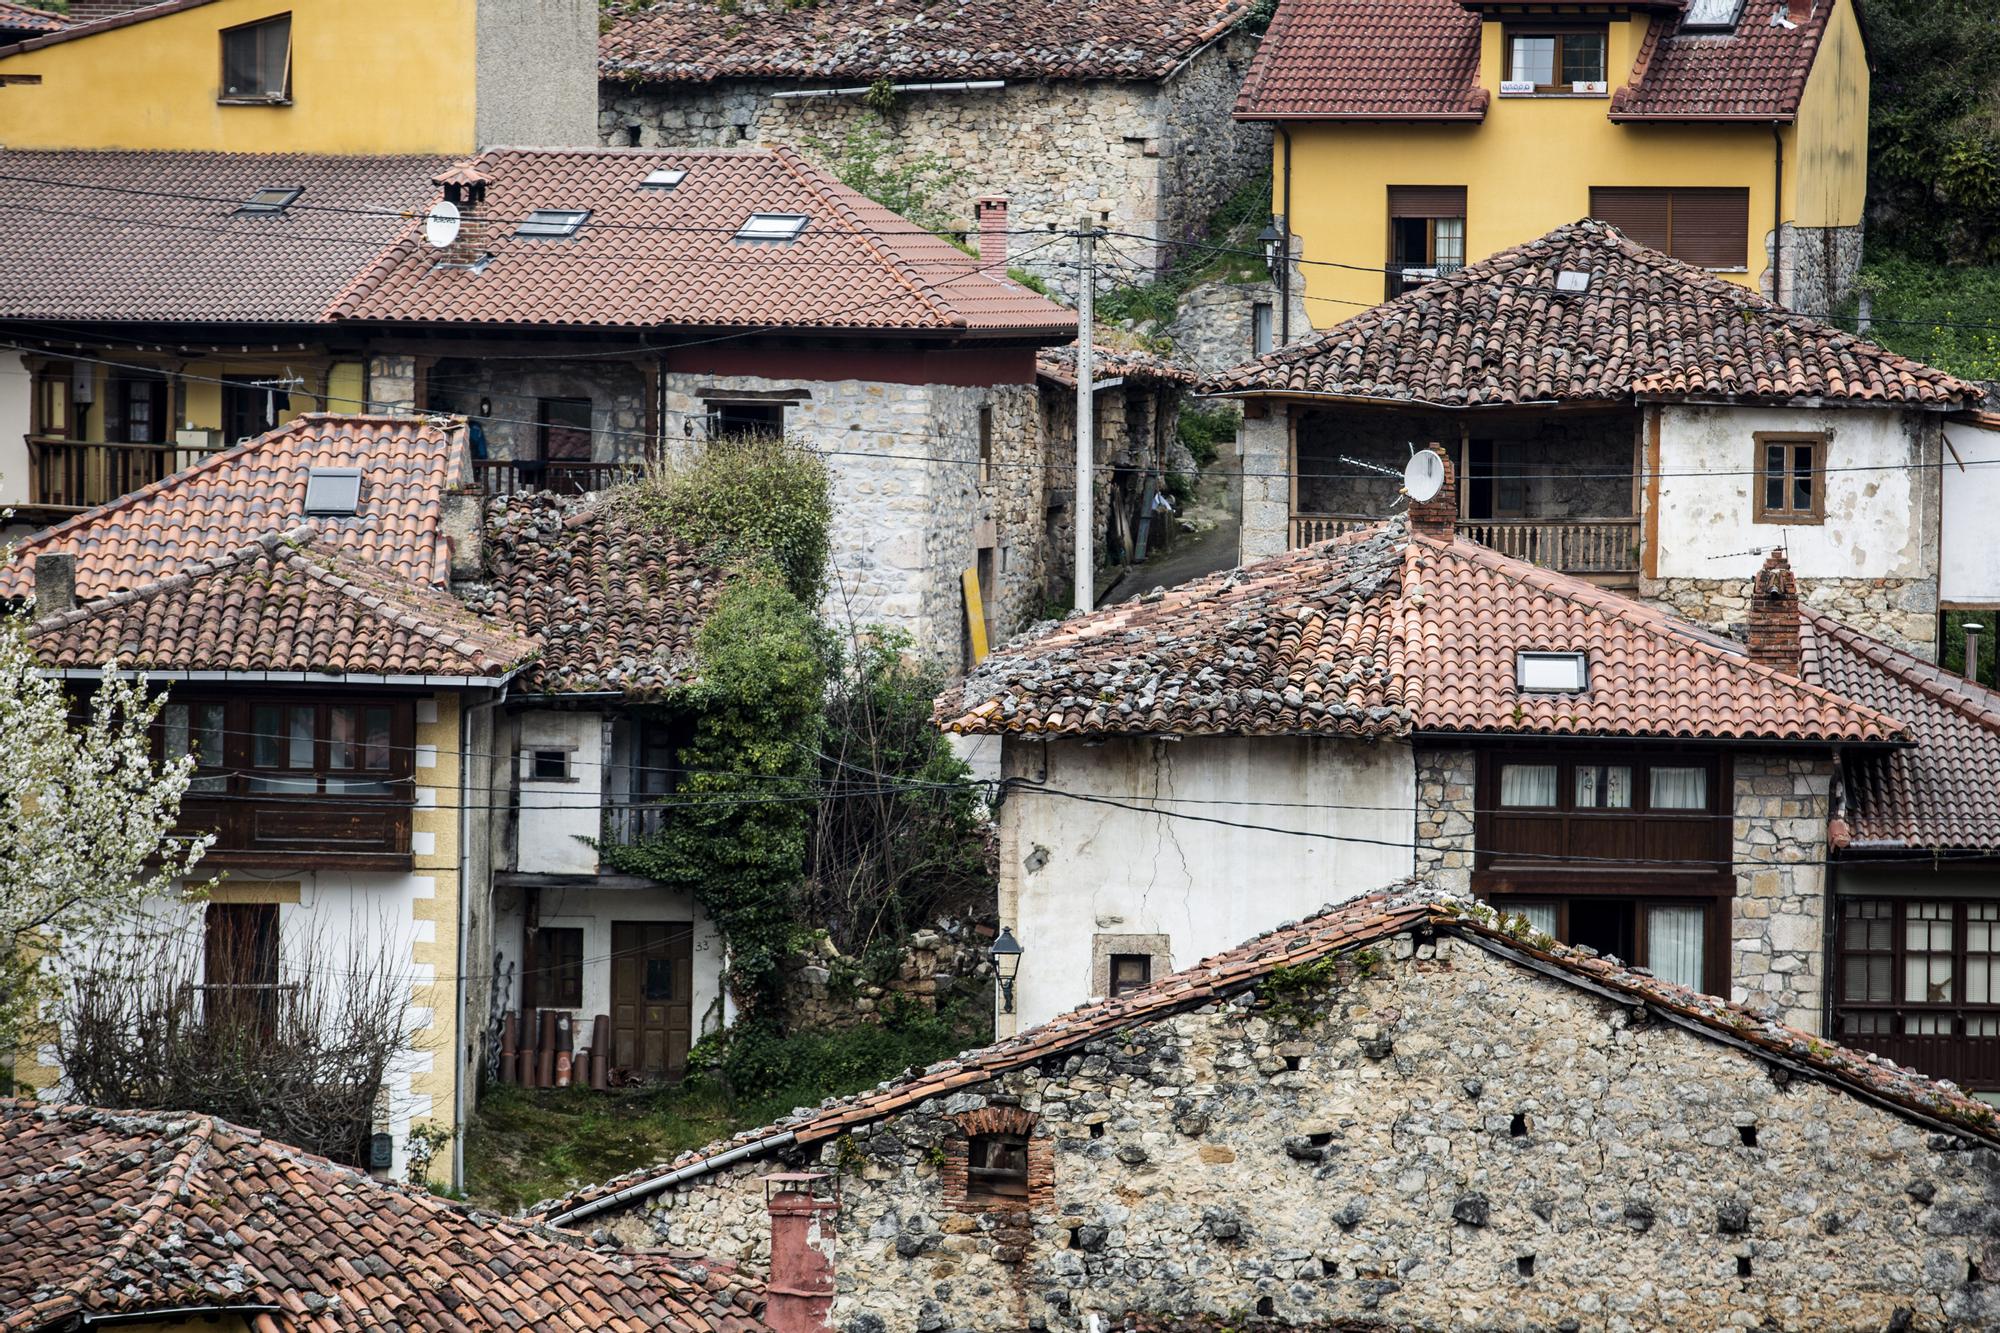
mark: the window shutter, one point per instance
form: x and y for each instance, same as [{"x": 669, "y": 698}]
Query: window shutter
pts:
[
  {"x": 1641, "y": 214},
  {"x": 1426, "y": 201},
  {"x": 1712, "y": 227}
]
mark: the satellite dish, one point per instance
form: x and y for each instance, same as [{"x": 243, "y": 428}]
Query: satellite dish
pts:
[
  {"x": 441, "y": 224},
  {"x": 1423, "y": 476}
]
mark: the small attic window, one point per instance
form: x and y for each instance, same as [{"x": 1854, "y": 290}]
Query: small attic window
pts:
[
  {"x": 1711, "y": 15},
  {"x": 552, "y": 223},
  {"x": 773, "y": 228},
  {"x": 1572, "y": 280},
  {"x": 271, "y": 200},
  {"x": 333, "y": 492},
  {"x": 1551, "y": 673},
  {"x": 666, "y": 178}
]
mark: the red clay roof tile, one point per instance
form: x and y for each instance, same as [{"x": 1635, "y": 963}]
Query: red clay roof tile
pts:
[
  {"x": 1756, "y": 71},
  {"x": 1366, "y": 60}
]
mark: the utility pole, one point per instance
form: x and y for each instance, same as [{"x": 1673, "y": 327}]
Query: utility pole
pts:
[{"x": 1086, "y": 414}]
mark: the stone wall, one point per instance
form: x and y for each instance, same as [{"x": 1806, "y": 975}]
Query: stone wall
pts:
[
  {"x": 1778, "y": 927},
  {"x": 1205, "y": 154},
  {"x": 1264, "y": 443},
  {"x": 826, "y": 990},
  {"x": 1448, "y": 1140},
  {"x": 1817, "y": 268},
  {"x": 1899, "y": 611},
  {"x": 617, "y": 390},
  {"x": 1137, "y": 434},
  {"x": 1447, "y": 798}
]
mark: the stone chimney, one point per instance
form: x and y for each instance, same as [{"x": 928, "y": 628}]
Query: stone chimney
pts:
[
  {"x": 55, "y": 582},
  {"x": 990, "y": 212},
  {"x": 1774, "y": 615},
  {"x": 1437, "y": 517},
  {"x": 465, "y": 186},
  {"x": 800, "y": 1297},
  {"x": 465, "y": 531},
  {"x": 89, "y": 11}
]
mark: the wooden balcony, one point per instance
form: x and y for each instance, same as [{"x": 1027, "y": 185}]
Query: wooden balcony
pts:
[
  {"x": 254, "y": 829},
  {"x": 507, "y": 476},
  {"x": 78, "y": 474},
  {"x": 627, "y": 823},
  {"x": 1604, "y": 550},
  {"x": 1956, "y": 1053}
]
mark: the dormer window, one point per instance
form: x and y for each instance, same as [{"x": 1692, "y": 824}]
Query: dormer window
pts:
[
  {"x": 257, "y": 61},
  {"x": 772, "y": 228},
  {"x": 552, "y": 224},
  {"x": 271, "y": 201},
  {"x": 1551, "y": 673},
  {"x": 1543, "y": 62}
]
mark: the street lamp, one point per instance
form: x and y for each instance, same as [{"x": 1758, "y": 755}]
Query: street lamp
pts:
[
  {"x": 1006, "y": 956},
  {"x": 1273, "y": 239}
]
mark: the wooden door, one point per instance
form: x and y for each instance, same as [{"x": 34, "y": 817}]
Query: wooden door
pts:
[{"x": 652, "y": 985}]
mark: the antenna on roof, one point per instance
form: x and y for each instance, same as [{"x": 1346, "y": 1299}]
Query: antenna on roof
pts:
[
  {"x": 441, "y": 224},
  {"x": 1423, "y": 475}
]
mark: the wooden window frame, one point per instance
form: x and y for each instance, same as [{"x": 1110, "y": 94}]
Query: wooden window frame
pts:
[
  {"x": 1113, "y": 988},
  {"x": 223, "y": 96},
  {"x": 987, "y": 1184},
  {"x": 1715, "y": 941},
  {"x": 557, "y": 982},
  {"x": 1899, "y": 1006},
  {"x": 1790, "y": 439},
  {"x": 1518, "y": 873},
  {"x": 1562, "y": 88}
]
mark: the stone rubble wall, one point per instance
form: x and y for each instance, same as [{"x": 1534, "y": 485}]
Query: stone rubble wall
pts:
[
  {"x": 1132, "y": 422},
  {"x": 1900, "y": 611},
  {"x": 617, "y": 392},
  {"x": 1264, "y": 444},
  {"x": 1817, "y": 268},
  {"x": 1213, "y": 330},
  {"x": 827, "y": 991},
  {"x": 1778, "y": 925},
  {"x": 1447, "y": 799},
  {"x": 1460, "y": 1143}
]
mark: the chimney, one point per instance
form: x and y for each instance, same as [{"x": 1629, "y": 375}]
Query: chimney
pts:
[
  {"x": 1972, "y": 632},
  {"x": 800, "y": 1297},
  {"x": 990, "y": 212},
  {"x": 465, "y": 187},
  {"x": 55, "y": 583},
  {"x": 89, "y": 11},
  {"x": 1437, "y": 517},
  {"x": 1774, "y": 615},
  {"x": 465, "y": 530},
  {"x": 1798, "y": 11}
]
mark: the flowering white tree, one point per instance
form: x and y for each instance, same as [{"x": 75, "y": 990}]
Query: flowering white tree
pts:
[{"x": 86, "y": 820}]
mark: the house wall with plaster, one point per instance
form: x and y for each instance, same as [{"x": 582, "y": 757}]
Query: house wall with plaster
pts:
[
  {"x": 560, "y": 818},
  {"x": 1079, "y": 879},
  {"x": 15, "y": 386},
  {"x": 1969, "y": 482}
]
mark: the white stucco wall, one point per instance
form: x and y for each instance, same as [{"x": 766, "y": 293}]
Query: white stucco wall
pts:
[
  {"x": 556, "y": 816},
  {"x": 1971, "y": 506},
  {"x": 593, "y": 910},
  {"x": 1070, "y": 870},
  {"x": 14, "y": 384}
]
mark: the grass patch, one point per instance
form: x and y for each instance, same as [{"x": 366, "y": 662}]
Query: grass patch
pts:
[{"x": 1947, "y": 316}]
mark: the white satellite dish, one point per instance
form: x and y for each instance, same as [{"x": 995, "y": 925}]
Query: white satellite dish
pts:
[
  {"x": 441, "y": 224},
  {"x": 1423, "y": 475}
]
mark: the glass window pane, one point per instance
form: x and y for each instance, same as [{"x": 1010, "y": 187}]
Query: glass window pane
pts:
[
  {"x": 1535, "y": 60},
  {"x": 342, "y": 722},
  {"x": 1541, "y": 916},
  {"x": 1603, "y": 787},
  {"x": 1675, "y": 944},
  {"x": 1583, "y": 57},
  {"x": 266, "y": 728},
  {"x": 1530, "y": 785},
  {"x": 1450, "y": 243},
  {"x": 299, "y": 738},
  {"x": 1927, "y": 960},
  {"x": 1680, "y": 788},
  {"x": 375, "y": 737},
  {"x": 174, "y": 717}
]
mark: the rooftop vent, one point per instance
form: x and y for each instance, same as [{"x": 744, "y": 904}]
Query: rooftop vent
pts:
[
  {"x": 552, "y": 223},
  {"x": 333, "y": 492},
  {"x": 271, "y": 200},
  {"x": 1572, "y": 280},
  {"x": 666, "y": 178},
  {"x": 773, "y": 228},
  {"x": 1711, "y": 15},
  {"x": 1551, "y": 673}
]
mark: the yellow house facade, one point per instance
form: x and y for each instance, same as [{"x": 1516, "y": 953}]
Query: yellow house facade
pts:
[
  {"x": 310, "y": 76},
  {"x": 1414, "y": 136}
]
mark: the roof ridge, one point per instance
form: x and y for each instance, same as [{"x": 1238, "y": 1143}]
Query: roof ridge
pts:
[
  {"x": 836, "y": 195},
  {"x": 1929, "y": 679}
]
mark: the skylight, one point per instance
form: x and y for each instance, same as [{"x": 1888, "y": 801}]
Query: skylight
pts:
[
  {"x": 1551, "y": 673},
  {"x": 1711, "y": 15},
  {"x": 666, "y": 178},
  {"x": 773, "y": 228},
  {"x": 552, "y": 223},
  {"x": 271, "y": 200},
  {"x": 333, "y": 492},
  {"x": 1571, "y": 280}
]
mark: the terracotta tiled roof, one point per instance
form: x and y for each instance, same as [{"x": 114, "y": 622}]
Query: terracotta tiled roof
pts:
[
  {"x": 1498, "y": 332},
  {"x": 131, "y": 245},
  {"x": 617, "y": 604},
  {"x": 19, "y": 21},
  {"x": 1383, "y": 634},
  {"x": 118, "y": 1213},
  {"x": 286, "y": 603},
  {"x": 1757, "y": 71},
  {"x": 1335, "y": 929},
  {"x": 235, "y": 496},
  {"x": 1942, "y": 792},
  {"x": 1366, "y": 60},
  {"x": 690, "y": 41},
  {"x": 649, "y": 257},
  {"x": 1058, "y": 364}
]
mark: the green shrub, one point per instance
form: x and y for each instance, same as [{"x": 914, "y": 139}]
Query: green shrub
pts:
[
  {"x": 801, "y": 1068},
  {"x": 753, "y": 497},
  {"x": 1947, "y": 316},
  {"x": 917, "y": 187},
  {"x": 1204, "y": 429}
]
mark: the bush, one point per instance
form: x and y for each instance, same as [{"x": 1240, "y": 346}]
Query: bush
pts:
[
  {"x": 1203, "y": 430},
  {"x": 916, "y": 188},
  {"x": 801, "y": 1068},
  {"x": 1934, "y": 145},
  {"x": 1948, "y": 317},
  {"x": 747, "y": 497}
]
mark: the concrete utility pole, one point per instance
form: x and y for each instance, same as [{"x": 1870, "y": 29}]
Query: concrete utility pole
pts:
[{"x": 1086, "y": 414}]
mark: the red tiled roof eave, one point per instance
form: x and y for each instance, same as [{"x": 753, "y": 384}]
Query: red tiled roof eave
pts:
[{"x": 1366, "y": 60}]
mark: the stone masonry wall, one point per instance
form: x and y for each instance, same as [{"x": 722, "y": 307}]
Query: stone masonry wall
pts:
[
  {"x": 1265, "y": 445},
  {"x": 1817, "y": 268},
  {"x": 1205, "y": 154},
  {"x": 1778, "y": 846},
  {"x": 1447, "y": 791},
  {"x": 1448, "y": 1140},
  {"x": 616, "y": 390},
  {"x": 1899, "y": 611},
  {"x": 826, "y": 990}
]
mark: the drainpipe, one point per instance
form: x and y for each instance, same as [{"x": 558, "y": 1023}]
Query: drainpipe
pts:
[
  {"x": 1777, "y": 210},
  {"x": 1285, "y": 262}
]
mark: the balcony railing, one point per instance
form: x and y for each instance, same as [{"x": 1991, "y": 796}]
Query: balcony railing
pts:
[
  {"x": 1591, "y": 546},
  {"x": 273, "y": 829},
  {"x": 77, "y": 474},
  {"x": 627, "y": 823},
  {"x": 507, "y": 476}
]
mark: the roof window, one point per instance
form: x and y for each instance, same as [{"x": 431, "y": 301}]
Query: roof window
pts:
[
  {"x": 271, "y": 200},
  {"x": 773, "y": 228},
  {"x": 1551, "y": 673},
  {"x": 666, "y": 178},
  {"x": 333, "y": 492},
  {"x": 552, "y": 223},
  {"x": 1711, "y": 15},
  {"x": 1572, "y": 280}
]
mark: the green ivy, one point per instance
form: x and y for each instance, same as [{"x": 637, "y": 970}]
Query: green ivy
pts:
[
  {"x": 757, "y": 498},
  {"x": 865, "y": 161}
]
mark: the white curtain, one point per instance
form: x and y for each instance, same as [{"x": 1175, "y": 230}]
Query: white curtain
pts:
[
  {"x": 1542, "y": 916},
  {"x": 1528, "y": 784},
  {"x": 1674, "y": 938},
  {"x": 1616, "y": 780},
  {"x": 1680, "y": 789}
]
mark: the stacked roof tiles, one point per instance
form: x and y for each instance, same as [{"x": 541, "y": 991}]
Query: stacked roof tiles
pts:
[
  {"x": 19, "y": 22},
  {"x": 1502, "y": 332},
  {"x": 111, "y": 1215},
  {"x": 1058, "y": 365},
  {"x": 1366, "y": 60},
  {"x": 1380, "y": 633}
]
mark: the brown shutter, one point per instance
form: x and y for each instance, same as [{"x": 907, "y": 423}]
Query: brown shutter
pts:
[
  {"x": 1712, "y": 227},
  {"x": 1640, "y": 213},
  {"x": 1426, "y": 201}
]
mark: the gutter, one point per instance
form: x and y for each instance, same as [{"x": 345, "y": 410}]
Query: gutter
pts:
[
  {"x": 1308, "y": 117},
  {"x": 861, "y": 90},
  {"x": 692, "y": 1171},
  {"x": 1285, "y": 261},
  {"x": 284, "y": 677},
  {"x": 1778, "y": 214},
  {"x": 172, "y": 1313}
]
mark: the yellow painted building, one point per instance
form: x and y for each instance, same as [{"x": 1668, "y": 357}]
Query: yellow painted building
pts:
[
  {"x": 310, "y": 76},
  {"x": 1417, "y": 135}
]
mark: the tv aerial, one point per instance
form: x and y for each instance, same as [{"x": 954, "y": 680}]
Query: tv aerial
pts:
[{"x": 1422, "y": 476}]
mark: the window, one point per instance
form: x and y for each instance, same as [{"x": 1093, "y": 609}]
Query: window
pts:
[
  {"x": 1130, "y": 972},
  {"x": 1710, "y": 228},
  {"x": 551, "y": 224},
  {"x": 1426, "y": 234},
  {"x": 1550, "y": 673},
  {"x": 197, "y": 729},
  {"x": 1554, "y": 62},
  {"x": 997, "y": 1166},
  {"x": 745, "y": 421},
  {"x": 548, "y": 766},
  {"x": 558, "y": 978},
  {"x": 271, "y": 201},
  {"x": 334, "y": 749},
  {"x": 139, "y": 409},
  {"x": 1670, "y": 939},
  {"x": 1260, "y": 328},
  {"x": 1531, "y": 786},
  {"x": 1920, "y": 968},
  {"x": 772, "y": 228},
  {"x": 240, "y": 965},
  {"x": 249, "y": 409},
  {"x": 1679, "y": 788},
  {"x": 333, "y": 492},
  {"x": 1711, "y": 15},
  {"x": 666, "y": 178},
  {"x": 1603, "y": 786},
  {"x": 1495, "y": 481},
  {"x": 985, "y": 444},
  {"x": 1789, "y": 472},
  {"x": 257, "y": 61}
]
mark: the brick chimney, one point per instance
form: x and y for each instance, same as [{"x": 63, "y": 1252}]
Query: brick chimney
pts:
[
  {"x": 89, "y": 11},
  {"x": 1774, "y": 615},
  {"x": 55, "y": 582},
  {"x": 1437, "y": 517},
  {"x": 990, "y": 212},
  {"x": 465, "y": 186},
  {"x": 800, "y": 1297}
]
